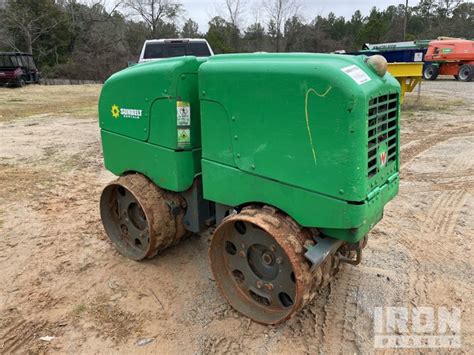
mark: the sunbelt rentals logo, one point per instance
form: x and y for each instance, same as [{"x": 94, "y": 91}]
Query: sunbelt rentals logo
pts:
[
  {"x": 115, "y": 111},
  {"x": 131, "y": 113}
]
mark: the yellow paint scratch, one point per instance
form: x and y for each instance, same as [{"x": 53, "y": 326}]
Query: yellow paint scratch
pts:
[{"x": 311, "y": 90}]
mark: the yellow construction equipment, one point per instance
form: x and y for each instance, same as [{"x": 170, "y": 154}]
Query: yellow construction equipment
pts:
[{"x": 408, "y": 75}]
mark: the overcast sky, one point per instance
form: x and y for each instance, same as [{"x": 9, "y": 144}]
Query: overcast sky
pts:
[{"x": 201, "y": 11}]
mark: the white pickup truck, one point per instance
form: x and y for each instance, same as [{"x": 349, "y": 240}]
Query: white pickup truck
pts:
[{"x": 155, "y": 49}]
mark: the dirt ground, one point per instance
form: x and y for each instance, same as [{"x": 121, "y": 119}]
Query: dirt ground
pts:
[{"x": 61, "y": 277}]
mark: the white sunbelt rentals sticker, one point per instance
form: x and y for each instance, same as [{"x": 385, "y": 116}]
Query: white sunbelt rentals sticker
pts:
[
  {"x": 357, "y": 74},
  {"x": 131, "y": 113},
  {"x": 183, "y": 113},
  {"x": 135, "y": 114}
]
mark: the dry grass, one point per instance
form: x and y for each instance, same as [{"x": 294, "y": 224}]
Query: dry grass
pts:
[
  {"x": 109, "y": 320},
  {"x": 80, "y": 101},
  {"x": 12, "y": 178},
  {"x": 428, "y": 103}
]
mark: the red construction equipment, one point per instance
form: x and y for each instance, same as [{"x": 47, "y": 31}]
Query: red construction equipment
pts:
[{"x": 450, "y": 57}]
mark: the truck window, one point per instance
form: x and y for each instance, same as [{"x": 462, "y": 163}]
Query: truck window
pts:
[
  {"x": 176, "y": 51},
  {"x": 198, "y": 49},
  {"x": 169, "y": 50},
  {"x": 154, "y": 50}
]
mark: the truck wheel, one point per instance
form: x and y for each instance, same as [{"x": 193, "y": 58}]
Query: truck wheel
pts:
[
  {"x": 466, "y": 72},
  {"x": 257, "y": 258},
  {"x": 140, "y": 218},
  {"x": 20, "y": 82},
  {"x": 431, "y": 72}
]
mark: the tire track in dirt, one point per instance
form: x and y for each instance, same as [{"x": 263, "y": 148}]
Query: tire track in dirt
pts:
[
  {"x": 457, "y": 175},
  {"x": 441, "y": 211},
  {"x": 418, "y": 277},
  {"x": 442, "y": 216},
  {"x": 440, "y": 222},
  {"x": 448, "y": 174},
  {"x": 317, "y": 326},
  {"x": 310, "y": 320},
  {"x": 221, "y": 345},
  {"x": 18, "y": 334},
  {"x": 463, "y": 160},
  {"x": 441, "y": 187},
  {"x": 446, "y": 227},
  {"x": 432, "y": 176},
  {"x": 465, "y": 164},
  {"x": 445, "y": 211},
  {"x": 433, "y": 212},
  {"x": 341, "y": 312},
  {"x": 412, "y": 149}
]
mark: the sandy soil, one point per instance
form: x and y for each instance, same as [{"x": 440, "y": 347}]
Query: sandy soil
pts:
[{"x": 61, "y": 277}]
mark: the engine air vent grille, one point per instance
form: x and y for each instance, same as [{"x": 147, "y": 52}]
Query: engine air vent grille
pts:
[{"x": 382, "y": 132}]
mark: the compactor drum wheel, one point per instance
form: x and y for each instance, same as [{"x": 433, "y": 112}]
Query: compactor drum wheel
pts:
[
  {"x": 140, "y": 218},
  {"x": 257, "y": 258}
]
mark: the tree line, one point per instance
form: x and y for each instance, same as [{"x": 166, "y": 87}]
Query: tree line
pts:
[{"x": 92, "y": 40}]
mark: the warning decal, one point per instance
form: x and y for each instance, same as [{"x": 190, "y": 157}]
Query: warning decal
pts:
[
  {"x": 183, "y": 123},
  {"x": 183, "y": 113},
  {"x": 357, "y": 74},
  {"x": 184, "y": 136}
]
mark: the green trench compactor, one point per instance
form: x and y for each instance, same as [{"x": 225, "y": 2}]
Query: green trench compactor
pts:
[{"x": 289, "y": 158}]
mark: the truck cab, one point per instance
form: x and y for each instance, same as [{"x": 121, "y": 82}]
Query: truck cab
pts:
[{"x": 156, "y": 49}]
